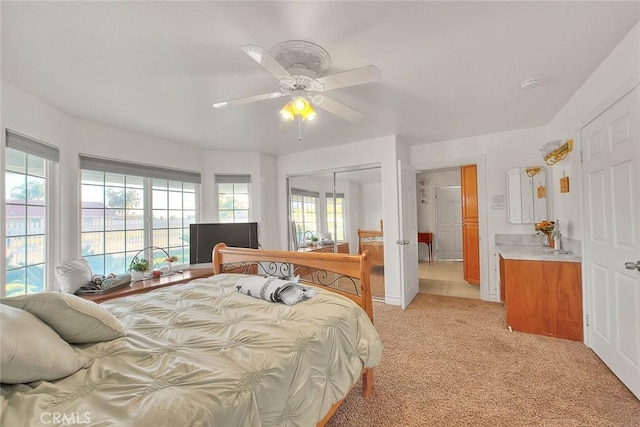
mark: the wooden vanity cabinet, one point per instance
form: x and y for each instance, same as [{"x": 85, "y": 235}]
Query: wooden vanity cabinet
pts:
[{"x": 543, "y": 297}]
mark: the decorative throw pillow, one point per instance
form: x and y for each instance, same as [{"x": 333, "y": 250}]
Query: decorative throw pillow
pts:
[
  {"x": 274, "y": 289},
  {"x": 73, "y": 274},
  {"x": 76, "y": 320},
  {"x": 32, "y": 351}
]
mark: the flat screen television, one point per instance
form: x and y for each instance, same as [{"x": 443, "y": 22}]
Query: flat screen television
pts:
[{"x": 204, "y": 237}]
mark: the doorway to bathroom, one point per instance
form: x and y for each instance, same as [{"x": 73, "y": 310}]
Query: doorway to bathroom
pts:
[{"x": 440, "y": 213}]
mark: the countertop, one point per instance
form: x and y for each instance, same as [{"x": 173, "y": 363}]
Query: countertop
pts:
[{"x": 535, "y": 253}]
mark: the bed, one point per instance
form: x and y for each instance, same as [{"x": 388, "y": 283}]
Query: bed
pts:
[
  {"x": 203, "y": 354},
  {"x": 372, "y": 241}
]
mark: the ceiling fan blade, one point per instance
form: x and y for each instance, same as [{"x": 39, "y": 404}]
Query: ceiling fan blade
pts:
[
  {"x": 337, "y": 108},
  {"x": 357, "y": 76},
  {"x": 247, "y": 100},
  {"x": 262, "y": 57}
]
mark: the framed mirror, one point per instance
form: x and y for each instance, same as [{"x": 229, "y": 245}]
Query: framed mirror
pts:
[{"x": 526, "y": 195}]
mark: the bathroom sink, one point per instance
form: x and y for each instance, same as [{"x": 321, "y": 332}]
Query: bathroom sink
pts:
[{"x": 556, "y": 252}]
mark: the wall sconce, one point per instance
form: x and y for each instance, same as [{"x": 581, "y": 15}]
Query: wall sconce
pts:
[
  {"x": 554, "y": 151},
  {"x": 533, "y": 171}
]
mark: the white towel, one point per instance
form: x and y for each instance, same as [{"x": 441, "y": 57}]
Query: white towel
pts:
[{"x": 275, "y": 290}]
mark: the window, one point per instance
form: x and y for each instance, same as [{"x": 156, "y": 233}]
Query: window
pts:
[
  {"x": 125, "y": 213},
  {"x": 28, "y": 213},
  {"x": 233, "y": 198},
  {"x": 336, "y": 221},
  {"x": 174, "y": 209},
  {"x": 304, "y": 213}
]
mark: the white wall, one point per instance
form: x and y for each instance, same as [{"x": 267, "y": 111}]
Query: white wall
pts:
[
  {"x": 262, "y": 168},
  {"x": 371, "y": 202},
  {"x": 354, "y": 210},
  {"x": 28, "y": 115},
  {"x": 269, "y": 230},
  {"x": 621, "y": 66},
  {"x": 500, "y": 152}
]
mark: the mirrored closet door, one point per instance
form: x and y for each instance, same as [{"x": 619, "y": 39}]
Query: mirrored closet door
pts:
[{"x": 329, "y": 210}]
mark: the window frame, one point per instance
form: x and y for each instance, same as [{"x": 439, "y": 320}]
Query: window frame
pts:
[
  {"x": 305, "y": 194},
  {"x": 343, "y": 217},
  {"x": 149, "y": 173},
  {"x": 185, "y": 230},
  {"x": 50, "y": 155},
  {"x": 236, "y": 179}
]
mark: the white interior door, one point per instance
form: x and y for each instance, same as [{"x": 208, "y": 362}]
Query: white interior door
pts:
[
  {"x": 408, "y": 243},
  {"x": 449, "y": 224},
  {"x": 611, "y": 177}
]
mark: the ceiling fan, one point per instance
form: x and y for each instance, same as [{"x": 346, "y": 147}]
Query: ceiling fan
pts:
[{"x": 301, "y": 68}]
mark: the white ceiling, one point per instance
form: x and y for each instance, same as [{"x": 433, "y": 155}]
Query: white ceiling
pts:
[{"x": 449, "y": 69}]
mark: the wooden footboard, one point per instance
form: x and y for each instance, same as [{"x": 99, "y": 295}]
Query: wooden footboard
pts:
[{"x": 347, "y": 275}]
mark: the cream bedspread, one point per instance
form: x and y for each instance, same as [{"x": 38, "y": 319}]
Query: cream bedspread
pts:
[{"x": 202, "y": 354}]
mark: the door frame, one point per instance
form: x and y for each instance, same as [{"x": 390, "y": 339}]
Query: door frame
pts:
[
  {"x": 408, "y": 233},
  {"x": 459, "y": 187},
  {"x": 486, "y": 293}
]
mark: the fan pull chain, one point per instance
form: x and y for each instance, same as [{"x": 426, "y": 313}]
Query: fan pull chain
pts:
[{"x": 299, "y": 129}]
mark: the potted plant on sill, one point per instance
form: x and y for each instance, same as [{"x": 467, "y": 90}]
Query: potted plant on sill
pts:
[{"x": 137, "y": 268}]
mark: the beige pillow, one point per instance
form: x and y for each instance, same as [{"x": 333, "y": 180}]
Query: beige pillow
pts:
[
  {"x": 32, "y": 351},
  {"x": 76, "y": 320},
  {"x": 73, "y": 274}
]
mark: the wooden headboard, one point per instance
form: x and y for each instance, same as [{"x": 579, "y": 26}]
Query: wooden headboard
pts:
[
  {"x": 347, "y": 275},
  {"x": 372, "y": 241}
]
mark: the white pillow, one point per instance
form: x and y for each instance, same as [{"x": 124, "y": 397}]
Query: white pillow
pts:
[
  {"x": 32, "y": 351},
  {"x": 73, "y": 274},
  {"x": 76, "y": 320}
]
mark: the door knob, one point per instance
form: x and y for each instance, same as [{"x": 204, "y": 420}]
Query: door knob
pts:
[{"x": 632, "y": 265}]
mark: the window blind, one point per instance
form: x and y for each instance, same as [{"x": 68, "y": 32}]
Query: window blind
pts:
[
  {"x": 300, "y": 192},
  {"x": 32, "y": 146},
  {"x": 137, "y": 169},
  {"x": 233, "y": 179},
  {"x": 338, "y": 195}
]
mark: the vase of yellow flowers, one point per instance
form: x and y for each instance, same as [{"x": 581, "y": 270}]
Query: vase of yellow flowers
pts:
[{"x": 546, "y": 227}]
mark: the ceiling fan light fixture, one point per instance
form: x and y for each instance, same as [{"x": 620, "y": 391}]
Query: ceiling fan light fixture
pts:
[
  {"x": 308, "y": 113},
  {"x": 300, "y": 104},
  {"x": 311, "y": 116},
  {"x": 287, "y": 112}
]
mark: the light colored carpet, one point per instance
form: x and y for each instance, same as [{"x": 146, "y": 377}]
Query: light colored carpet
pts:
[
  {"x": 377, "y": 281},
  {"x": 451, "y": 362}
]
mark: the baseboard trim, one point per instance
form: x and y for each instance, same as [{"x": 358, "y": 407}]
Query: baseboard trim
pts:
[{"x": 392, "y": 300}]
